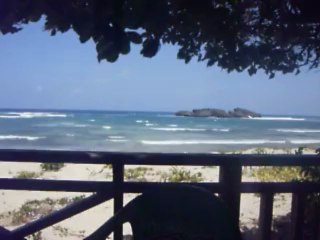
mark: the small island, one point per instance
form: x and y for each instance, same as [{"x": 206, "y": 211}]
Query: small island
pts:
[{"x": 219, "y": 113}]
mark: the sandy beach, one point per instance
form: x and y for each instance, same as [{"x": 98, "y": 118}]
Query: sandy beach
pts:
[{"x": 11, "y": 213}]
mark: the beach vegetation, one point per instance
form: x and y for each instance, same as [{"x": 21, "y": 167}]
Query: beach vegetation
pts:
[
  {"x": 62, "y": 231},
  {"x": 136, "y": 174},
  {"x": 35, "y": 236},
  {"x": 51, "y": 167},
  {"x": 275, "y": 174},
  {"x": 260, "y": 150},
  {"x": 34, "y": 209},
  {"x": 28, "y": 174},
  {"x": 177, "y": 174}
]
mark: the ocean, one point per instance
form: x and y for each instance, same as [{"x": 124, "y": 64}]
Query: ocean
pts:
[{"x": 152, "y": 131}]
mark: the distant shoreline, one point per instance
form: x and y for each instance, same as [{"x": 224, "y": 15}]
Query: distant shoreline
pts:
[{"x": 137, "y": 111}]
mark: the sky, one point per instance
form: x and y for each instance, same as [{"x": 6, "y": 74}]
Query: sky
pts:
[{"x": 43, "y": 72}]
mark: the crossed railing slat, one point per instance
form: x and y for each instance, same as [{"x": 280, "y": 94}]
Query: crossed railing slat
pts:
[{"x": 229, "y": 186}]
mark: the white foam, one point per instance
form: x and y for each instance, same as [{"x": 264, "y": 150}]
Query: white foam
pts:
[
  {"x": 62, "y": 124},
  {"x": 173, "y": 125},
  {"x": 139, "y": 121},
  {"x": 117, "y": 140},
  {"x": 106, "y": 127},
  {"x": 7, "y": 116},
  {"x": 180, "y": 129},
  {"x": 70, "y": 135},
  {"x": 220, "y": 129},
  {"x": 214, "y": 142},
  {"x": 78, "y": 125},
  {"x": 92, "y": 120},
  {"x": 33, "y": 115},
  {"x": 305, "y": 141},
  {"x": 116, "y": 137},
  {"x": 276, "y": 118},
  {"x": 18, "y": 137},
  {"x": 150, "y": 124},
  {"x": 296, "y": 130}
]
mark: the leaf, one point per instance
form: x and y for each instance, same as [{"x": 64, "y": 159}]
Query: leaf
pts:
[
  {"x": 112, "y": 57},
  {"x": 150, "y": 47},
  {"x": 84, "y": 37},
  {"x": 134, "y": 37},
  {"x": 125, "y": 45},
  {"x": 252, "y": 70}
]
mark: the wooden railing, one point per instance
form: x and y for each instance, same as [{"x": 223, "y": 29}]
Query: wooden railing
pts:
[{"x": 229, "y": 186}]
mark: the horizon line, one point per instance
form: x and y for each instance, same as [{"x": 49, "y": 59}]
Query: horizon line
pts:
[{"x": 110, "y": 110}]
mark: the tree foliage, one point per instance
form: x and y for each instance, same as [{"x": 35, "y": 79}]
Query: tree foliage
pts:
[{"x": 236, "y": 35}]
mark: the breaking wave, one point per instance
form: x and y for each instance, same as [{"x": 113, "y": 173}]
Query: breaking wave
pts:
[
  {"x": 180, "y": 129},
  {"x": 214, "y": 142},
  {"x": 116, "y": 137},
  {"x": 220, "y": 129},
  {"x": 18, "y": 137},
  {"x": 305, "y": 141},
  {"x": 296, "y": 130},
  {"x": 13, "y": 115},
  {"x": 277, "y": 118}
]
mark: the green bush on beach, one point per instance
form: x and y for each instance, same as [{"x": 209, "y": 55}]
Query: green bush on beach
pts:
[
  {"x": 181, "y": 175},
  {"x": 137, "y": 174},
  {"x": 51, "y": 166},
  {"x": 276, "y": 174},
  {"x": 27, "y": 174},
  {"x": 33, "y": 209}
]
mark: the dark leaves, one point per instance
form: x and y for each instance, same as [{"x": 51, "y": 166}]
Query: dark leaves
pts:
[
  {"x": 150, "y": 47},
  {"x": 234, "y": 35},
  {"x": 134, "y": 37}
]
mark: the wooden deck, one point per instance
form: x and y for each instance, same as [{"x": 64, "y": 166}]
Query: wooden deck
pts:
[{"x": 229, "y": 187}]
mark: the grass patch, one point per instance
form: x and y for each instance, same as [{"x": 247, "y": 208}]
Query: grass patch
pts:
[
  {"x": 176, "y": 174},
  {"x": 260, "y": 150},
  {"x": 275, "y": 174},
  {"x": 28, "y": 174},
  {"x": 52, "y": 167},
  {"x": 62, "y": 231},
  {"x": 35, "y": 209},
  {"x": 35, "y": 236},
  {"x": 136, "y": 174}
]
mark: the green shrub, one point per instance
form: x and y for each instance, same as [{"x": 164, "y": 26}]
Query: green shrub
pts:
[
  {"x": 181, "y": 175},
  {"x": 27, "y": 174},
  {"x": 62, "y": 231},
  {"x": 37, "y": 208},
  {"x": 51, "y": 166},
  {"x": 137, "y": 174},
  {"x": 276, "y": 173},
  {"x": 260, "y": 151},
  {"x": 35, "y": 236}
]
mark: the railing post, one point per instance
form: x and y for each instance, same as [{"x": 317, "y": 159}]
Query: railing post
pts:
[
  {"x": 230, "y": 177},
  {"x": 265, "y": 216},
  {"x": 118, "y": 171},
  {"x": 297, "y": 216}
]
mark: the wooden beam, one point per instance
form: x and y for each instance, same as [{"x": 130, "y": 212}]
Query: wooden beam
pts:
[
  {"x": 297, "y": 216},
  {"x": 138, "y": 187},
  {"x": 265, "y": 216},
  {"x": 127, "y": 158},
  {"x": 230, "y": 179},
  {"x": 118, "y": 174},
  {"x": 60, "y": 215}
]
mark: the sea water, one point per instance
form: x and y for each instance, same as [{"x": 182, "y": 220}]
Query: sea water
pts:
[{"x": 152, "y": 131}]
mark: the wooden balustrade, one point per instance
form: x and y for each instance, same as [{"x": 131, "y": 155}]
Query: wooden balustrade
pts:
[{"x": 229, "y": 187}]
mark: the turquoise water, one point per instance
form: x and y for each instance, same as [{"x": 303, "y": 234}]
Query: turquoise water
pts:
[{"x": 151, "y": 131}]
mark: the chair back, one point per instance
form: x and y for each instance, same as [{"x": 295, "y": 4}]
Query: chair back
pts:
[{"x": 188, "y": 213}]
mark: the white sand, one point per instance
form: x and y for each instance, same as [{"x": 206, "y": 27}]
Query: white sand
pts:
[{"x": 86, "y": 222}]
